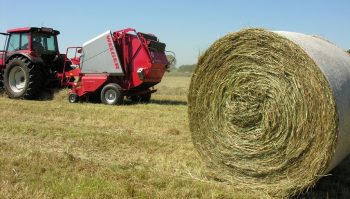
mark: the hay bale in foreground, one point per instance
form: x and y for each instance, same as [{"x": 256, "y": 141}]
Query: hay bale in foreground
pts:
[{"x": 270, "y": 111}]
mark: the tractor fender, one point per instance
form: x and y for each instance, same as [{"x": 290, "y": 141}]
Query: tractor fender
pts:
[{"x": 34, "y": 60}]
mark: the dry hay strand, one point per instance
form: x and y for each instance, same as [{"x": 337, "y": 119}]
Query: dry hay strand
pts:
[{"x": 262, "y": 114}]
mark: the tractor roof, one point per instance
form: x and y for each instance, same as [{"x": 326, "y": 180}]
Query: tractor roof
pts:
[{"x": 35, "y": 29}]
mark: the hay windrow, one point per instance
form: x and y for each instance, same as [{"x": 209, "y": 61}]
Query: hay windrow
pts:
[{"x": 262, "y": 114}]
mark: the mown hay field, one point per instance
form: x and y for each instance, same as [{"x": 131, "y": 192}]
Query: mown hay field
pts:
[{"x": 53, "y": 149}]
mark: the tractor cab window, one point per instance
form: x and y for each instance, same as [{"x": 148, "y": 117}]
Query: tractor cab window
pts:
[
  {"x": 24, "y": 41},
  {"x": 43, "y": 43},
  {"x": 14, "y": 42},
  {"x": 18, "y": 41}
]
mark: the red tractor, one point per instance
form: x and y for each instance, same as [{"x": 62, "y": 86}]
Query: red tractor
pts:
[
  {"x": 30, "y": 61},
  {"x": 111, "y": 66}
]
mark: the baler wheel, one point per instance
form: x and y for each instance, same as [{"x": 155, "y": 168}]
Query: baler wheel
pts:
[
  {"x": 73, "y": 98},
  {"x": 22, "y": 79},
  {"x": 112, "y": 94}
]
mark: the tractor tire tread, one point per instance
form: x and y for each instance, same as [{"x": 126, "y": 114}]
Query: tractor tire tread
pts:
[{"x": 35, "y": 79}]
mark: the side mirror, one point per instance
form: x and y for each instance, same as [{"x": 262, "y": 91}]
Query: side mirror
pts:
[{"x": 79, "y": 50}]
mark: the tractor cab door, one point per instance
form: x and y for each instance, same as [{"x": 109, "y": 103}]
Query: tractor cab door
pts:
[
  {"x": 17, "y": 42},
  {"x": 14, "y": 42},
  {"x": 3, "y": 41},
  {"x": 44, "y": 45}
]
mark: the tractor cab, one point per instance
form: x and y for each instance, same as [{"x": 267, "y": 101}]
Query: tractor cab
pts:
[
  {"x": 32, "y": 41},
  {"x": 38, "y": 44}
]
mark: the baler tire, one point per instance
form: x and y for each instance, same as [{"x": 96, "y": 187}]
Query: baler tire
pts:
[
  {"x": 112, "y": 94},
  {"x": 73, "y": 98},
  {"x": 22, "y": 79}
]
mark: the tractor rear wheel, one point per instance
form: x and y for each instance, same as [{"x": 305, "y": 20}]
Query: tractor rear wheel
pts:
[
  {"x": 112, "y": 94},
  {"x": 22, "y": 79}
]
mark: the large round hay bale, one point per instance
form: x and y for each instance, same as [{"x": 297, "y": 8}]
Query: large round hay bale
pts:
[{"x": 270, "y": 111}]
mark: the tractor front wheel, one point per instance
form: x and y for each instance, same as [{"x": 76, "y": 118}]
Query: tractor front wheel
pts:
[
  {"x": 112, "y": 94},
  {"x": 22, "y": 79}
]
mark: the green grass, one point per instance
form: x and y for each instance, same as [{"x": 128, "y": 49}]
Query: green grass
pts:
[{"x": 53, "y": 149}]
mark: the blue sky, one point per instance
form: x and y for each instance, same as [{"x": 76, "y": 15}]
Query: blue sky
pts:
[{"x": 187, "y": 27}]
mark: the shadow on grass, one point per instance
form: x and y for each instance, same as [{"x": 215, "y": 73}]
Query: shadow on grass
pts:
[
  {"x": 334, "y": 186},
  {"x": 49, "y": 94},
  {"x": 161, "y": 102},
  {"x": 44, "y": 95},
  {"x": 168, "y": 102}
]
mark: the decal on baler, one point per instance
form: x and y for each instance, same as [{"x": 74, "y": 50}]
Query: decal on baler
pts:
[{"x": 112, "y": 51}]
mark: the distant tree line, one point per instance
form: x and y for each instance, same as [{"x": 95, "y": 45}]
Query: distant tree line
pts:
[
  {"x": 183, "y": 68},
  {"x": 349, "y": 51},
  {"x": 187, "y": 68}
]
